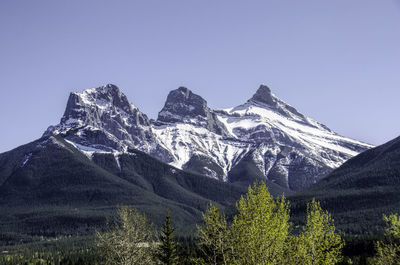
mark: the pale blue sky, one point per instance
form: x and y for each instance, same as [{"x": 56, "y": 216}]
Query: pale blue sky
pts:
[{"x": 335, "y": 61}]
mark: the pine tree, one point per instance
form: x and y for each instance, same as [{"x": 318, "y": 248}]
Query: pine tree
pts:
[
  {"x": 167, "y": 250},
  {"x": 318, "y": 243}
]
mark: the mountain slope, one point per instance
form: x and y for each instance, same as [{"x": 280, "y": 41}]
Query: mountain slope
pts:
[
  {"x": 290, "y": 149},
  {"x": 262, "y": 138},
  {"x": 49, "y": 187},
  {"x": 360, "y": 191}
]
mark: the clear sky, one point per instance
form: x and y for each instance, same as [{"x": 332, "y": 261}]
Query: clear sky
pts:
[{"x": 336, "y": 61}]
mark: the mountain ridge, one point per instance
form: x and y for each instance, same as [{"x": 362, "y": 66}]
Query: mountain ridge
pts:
[
  {"x": 105, "y": 152},
  {"x": 276, "y": 138}
]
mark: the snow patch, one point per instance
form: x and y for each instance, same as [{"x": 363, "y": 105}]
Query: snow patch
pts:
[
  {"x": 60, "y": 144},
  {"x": 26, "y": 159},
  {"x": 87, "y": 150},
  {"x": 116, "y": 157}
]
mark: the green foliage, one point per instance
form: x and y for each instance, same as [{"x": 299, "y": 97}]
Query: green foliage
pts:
[
  {"x": 129, "y": 241},
  {"x": 261, "y": 234},
  {"x": 61, "y": 256},
  {"x": 167, "y": 249},
  {"x": 261, "y": 228},
  {"x": 318, "y": 243},
  {"x": 214, "y": 237},
  {"x": 392, "y": 230},
  {"x": 388, "y": 251}
]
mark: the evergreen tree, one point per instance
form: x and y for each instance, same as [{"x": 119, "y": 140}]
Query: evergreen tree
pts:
[
  {"x": 214, "y": 237},
  {"x": 388, "y": 251},
  {"x": 318, "y": 243},
  {"x": 167, "y": 250},
  {"x": 261, "y": 228}
]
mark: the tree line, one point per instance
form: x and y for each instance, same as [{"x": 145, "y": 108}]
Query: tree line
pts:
[{"x": 260, "y": 233}]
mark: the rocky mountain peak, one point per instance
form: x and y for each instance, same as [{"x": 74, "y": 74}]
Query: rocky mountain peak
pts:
[
  {"x": 92, "y": 105},
  {"x": 264, "y": 95},
  {"x": 186, "y": 91},
  {"x": 106, "y": 89},
  {"x": 184, "y": 106},
  {"x": 264, "y": 137},
  {"x": 102, "y": 116},
  {"x": 265, "y": 98},
  {"x": 182, "y": 103},
  {"x": 107, "y": 95}
]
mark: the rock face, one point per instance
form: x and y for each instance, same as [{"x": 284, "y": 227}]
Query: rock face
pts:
[
  {"x": 183, "y": 106},
  {"x": 102, "y": 119},
  {"x": 264, "y": 95},
  {"x": 264, "y": 138}
]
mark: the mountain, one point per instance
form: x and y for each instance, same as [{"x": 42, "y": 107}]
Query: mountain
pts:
[
  {"x": 50, "y": 188},
  {"x": 183, "y": 106},
  {"x": 360, "y": 191},
  {"x": 264, "y": 138},
  {"x": 103, "y": 120},
  {"x": 105, "y": 152}
]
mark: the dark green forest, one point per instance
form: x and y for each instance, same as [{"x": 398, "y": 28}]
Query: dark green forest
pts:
[
  {"x": 52, "y": 217},
  {"x": 253, "y": 211}
]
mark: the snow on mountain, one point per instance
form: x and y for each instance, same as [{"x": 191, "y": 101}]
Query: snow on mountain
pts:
[
  {"x": 260, "y": 122},
  {"x": 189, "y": 141},
  {"x": 264, "y": 136},
  {"x": 289, "y": 148},
  {"x": 104, "y": 119}
]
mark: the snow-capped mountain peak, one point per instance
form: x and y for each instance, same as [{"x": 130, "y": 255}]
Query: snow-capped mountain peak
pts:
[
  {"x": 182, "y": 104},
  {"x": 103, "y": 118},
  {"x": 264, "y": 98},
  {"x": 264, "y": 95},
  {"x": 262, "y": 138},
  {"x": 105, "y": 96}
]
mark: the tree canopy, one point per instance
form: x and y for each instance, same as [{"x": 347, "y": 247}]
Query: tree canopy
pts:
[{"x": 130, "y": 240}]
